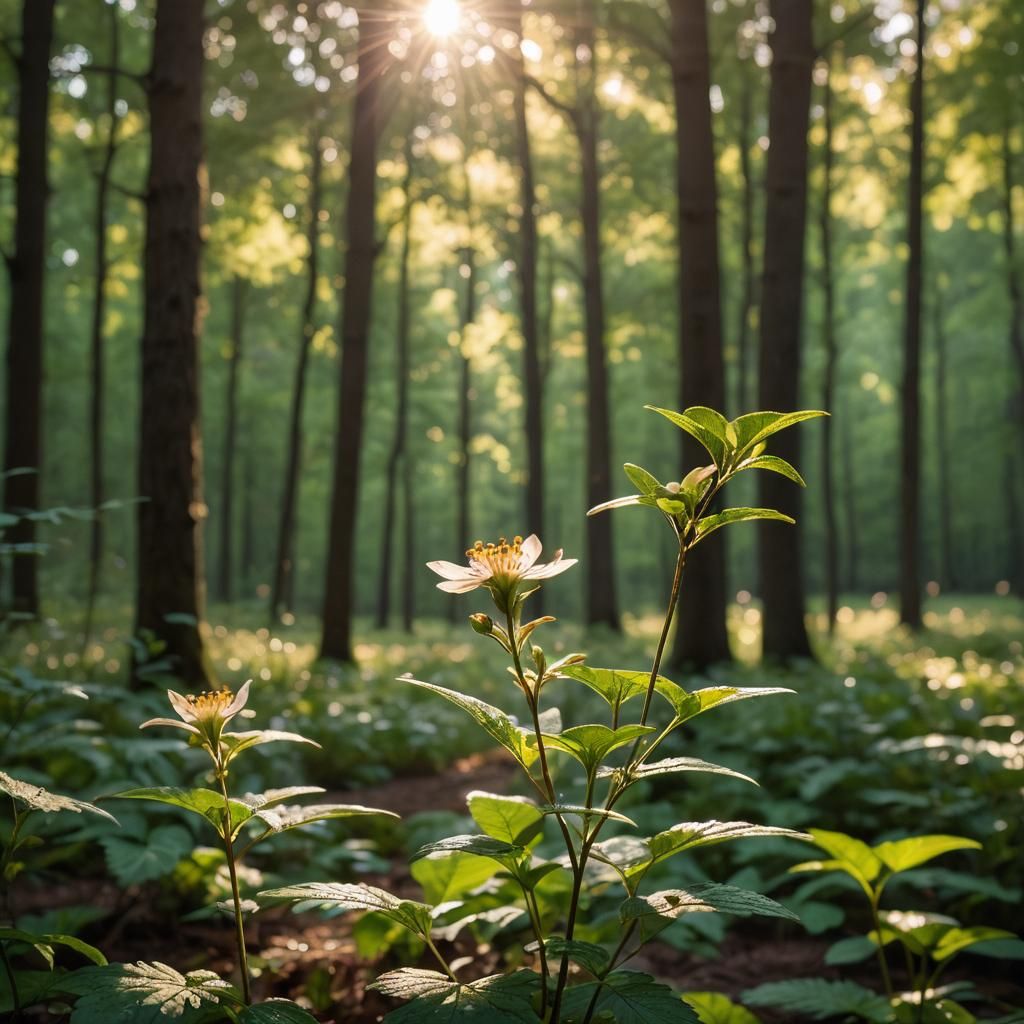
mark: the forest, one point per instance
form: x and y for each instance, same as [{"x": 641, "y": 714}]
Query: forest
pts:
[{"x": 344, "y": 338}]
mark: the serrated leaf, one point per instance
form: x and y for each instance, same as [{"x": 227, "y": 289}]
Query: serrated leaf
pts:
[
  {"x": 436, "y": 999},
  {"x": 775, "y": 465},
  {"x": 271, "y": 797},
  {"x": 674, "y": 765},
  {"x": 958, "y": 939},
  {"x": 689, "y": 835},
  {"x": 40, "y": 799},
  {"x": 589, "y": 955},
  {"x": 280, "y": 819},
  {"x": 615, "y": 685},
  {"x": 728, "y": 516},
  {"x": 716, "y": 1008},
  {"x": 342, "y": 896},
  {"x": 477, "y": 846},
  {"x": 142, "y": 993},
  {"x": 820, "y": 999},
  {"x": 591, "y": 744},
  {"x": 688, "y": 705},
  {"x": 514, "y": 819},
  {"x": 276, "y": 1011},
  {"x": 630, "y": 856},
  {"x": 586, "y": 812},
  {"x": 204, "y": 802},
  {"x": 239, "y": 741},
  {"x": 132, "y": 861},
  {"x": 904, "y": 854},
  {"x": 450, "y": 878},
  {"x": 629, "y": 997},
  {"x": 714, "y": 443},
  {"x": 850, "y": 855},
  {"x": 494, "y": 722},
  {"x": 643, "y": 481}
]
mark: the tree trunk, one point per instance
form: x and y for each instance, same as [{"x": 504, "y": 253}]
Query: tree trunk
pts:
[
  {"x": 785, "y": 633},
  {"x": 831, "y": 359},
  {"x": 97, "y": 353},
  {"x": 398, "y": 443},
  {"x": 601, "y": 603},
  {"x": 746, "y": 375},
  {"x": 284, "y": 563},
  {"x": 26, "y": 267},
  {"x": 361, "y": 250},
  {"x": 1013, "y": 285},
  {"x": 910, "y": 419},
  {"x": 944, "y": 499},
  {"x": 844, "y": 425},
  {"x": 701, "y": 638},
  {"x": 169, "y": 595},
  {"x": 225, "y": 566},
  {"x": 1013, "y": 513}
]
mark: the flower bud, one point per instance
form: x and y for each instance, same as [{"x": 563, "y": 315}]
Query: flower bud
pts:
[
  {"x": 482, "y": 624},
  {"x": 539, "y": 660},
  {"x": 672, "y": 487}
]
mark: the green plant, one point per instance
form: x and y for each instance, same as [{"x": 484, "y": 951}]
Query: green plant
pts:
[{"x": 522, "y": 890}]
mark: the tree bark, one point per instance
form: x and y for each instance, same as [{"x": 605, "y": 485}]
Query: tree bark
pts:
[
  {"x": 831, "y": 360},
  {"x": 782, "y": 589},
  {"x": 284, "y": 562},
  {"x": 844, "y": 425},
  {"x": 910, "y": 409},
  {"x": 26, "y": 268},
  {"x": 398, "y": 442},
  {"x": 97, "y": 347},
  {"x": 701, "y": 637},
  {"x": 947, "y": 565},
  {"x": 169, "y": 586},
  {"x": 225, "y": 567},
  {"x": 601, "y": 603},
  {"x": 1013, "y": 285},
  {"x": 746, "y": 376},
  {"x": 360, "y": 225}
]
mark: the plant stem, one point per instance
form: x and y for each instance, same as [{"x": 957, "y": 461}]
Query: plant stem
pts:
[
  {"x": 243, "y": 957},
  {"x": 440, "y": 959},
  {"x": 15, "y": 999},
  {"x": 533, "y": 910},
  {"x": 886, "y": 979}
]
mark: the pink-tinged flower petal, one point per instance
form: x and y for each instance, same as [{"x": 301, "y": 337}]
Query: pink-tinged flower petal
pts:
[
  {"x": 173, "y": 722},
  {"x": 449, "y": 570},
  {"x": 182, "y": 706},
  {"x": 531, "y": 549},
  {"x": 459, "y": 586},
  {"x": 239, "y": 702},
  {"x": 544, "y": 572}
]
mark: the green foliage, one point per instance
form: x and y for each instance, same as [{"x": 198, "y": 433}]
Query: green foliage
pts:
[
  {"x": 715, "y": 1008},
  {"x": 629, "y": 997},
  {"x": 820, "y": 999},
  {"x": 504, "y": 998}
]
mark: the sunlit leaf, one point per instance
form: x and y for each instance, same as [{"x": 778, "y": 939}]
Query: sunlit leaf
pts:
[
  {"x": 820, "y": 999},
  {"x": 513, "y": 819},
  {"x": 39, "y": 799},
  {"x": 502, "y": 998},
  {"x": 716, "y": 1008},
  {"x": 629, "y": 997}
]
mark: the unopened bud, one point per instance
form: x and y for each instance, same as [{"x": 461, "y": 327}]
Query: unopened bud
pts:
[
  {"x": 539, "y": 660},
  {"x": 672, "y": 487},
  {"x": 482, "y": 624}
]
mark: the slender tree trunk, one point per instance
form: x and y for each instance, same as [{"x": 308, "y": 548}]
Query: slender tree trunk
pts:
[
  {"x": 26, "y": 267},
  {"x": 1013, "y": 514},
  {"x": 284, "y": 562},
  {"x": 601, "y": 603},
  {"x": 410, "y": 566},
  {"x": 225, "y": 567},
  {"x": 397, "y": 453},
  {"x": 782, "y": 589},
  {"x": 373, "y": 59},
  {"x": 1013, "y": 285},
  {"x": 532, "y": 393},
  {"x": 248, "y": 553},
  {"x": 831, "y": 360},
  {"x": 947, "y": 565},
  {"x": 701, "y": 637},
  {"x": 746, "y": 372},
  {"x": 170, "y": 574},
  {"x": 844, "y": 425},
  {"x": 910, "y": 409},
  {"x": 97, "y": 353}
]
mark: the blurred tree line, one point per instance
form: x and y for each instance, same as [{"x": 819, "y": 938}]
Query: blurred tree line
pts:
[{"x": 337, "y": 289}]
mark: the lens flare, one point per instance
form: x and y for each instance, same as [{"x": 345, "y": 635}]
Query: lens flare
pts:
[{"x": 441, "y": 17}]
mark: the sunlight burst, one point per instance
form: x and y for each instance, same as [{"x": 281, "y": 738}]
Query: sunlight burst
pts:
[{"x": 441, "y": 17}]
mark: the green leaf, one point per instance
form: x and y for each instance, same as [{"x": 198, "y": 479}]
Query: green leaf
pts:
[
  {"x": 589, "y": 955},
  {"x": 39, "y": 799},
  {"x": 239, "y": 741},
  {"x": 852, "y": 950},
  {"x": 275, "y": 1011},
  {"x": 703, "y": 429},
  {"x": 756, "y": 427},
  {"x": 857, "y": 859},
  {"x": 280, "y": 819},
  {"x": 630, "y": 856},
  {"x": 514, "y": 819},
  {"x": 204, "y": 802},
  {"x": 688, "y": 705},
  {"x": 502, "y": 998},
  {"x": 728, "y": 516},
  {"x": 624, "y": 502},
  {"x": 342, "y": 896},
  {"x": 715, "y": 1008},
  {"x": 494, "y": 722},
  {"x": 672, "y": 765},
  {"x": 278, "y": 796},
  {"x": 643, "y": 481},
  {"x": 689, "y": 835},
  {"x": 586, "y": 812},
  {"x": 132, "y": 861},
  {"x": 629, "y": 997},
  {"x": 142, "y": 993},
  {"x": 775, "y": 465},
  {"x": 958, "y": 939},
  {"x": 904, "y": 854},
  {"x": 591, "y": 744},
  {"x": 615, "y": 685},
  {"x": 820, "y": 999},
  {"x": 478, "y": 846},
  {"x": 451, "y": 877}
]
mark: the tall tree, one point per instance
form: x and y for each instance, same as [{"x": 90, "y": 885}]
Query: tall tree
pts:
[
  {"x": 360, "y": 252},
  {"x": 225, "y": 566},
  {"x": 1014, "y": 290},
  {"x": 944, "y": 499},
  {"x": 910, "y": 404},
  {"x": 284, "y": 561},
  {"x": 169, "y": 567},
  {"x": 97, "y": 347},
  {"x": 701, "y": 637},
  {"x": 396, "y": 456},
  {"x": 781, "y": 573},
  {"x": 746, "y": 376},
  {"x": 828, "y": 384},
  {"x": 26, "y": 269}
]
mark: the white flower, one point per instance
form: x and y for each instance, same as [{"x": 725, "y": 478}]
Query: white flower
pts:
[
  {"x": 499, "y": 566},
  {"x": 204, "y": 713}
]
